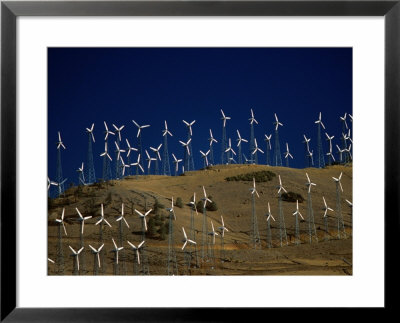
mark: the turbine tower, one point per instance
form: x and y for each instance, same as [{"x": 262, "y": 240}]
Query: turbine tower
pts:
[
  {"x": 75, "y": 255},
  {"x": 190, "y": 165},
  {"x": 116, "y": 251},
  {"x": 239, "y": 145},
  {"x": 255, "y": 236},
  {"x": 268, "y": 148},
  {"x": 82, "y": 220},
  {"x": 339, "y": 216},
  {"x": 211, "y": 140},
  {"x": 269, "y": 235},
  {"x": 118, "y": 166},
  {"x": 96, "y": 260},
  {"x": 252, "y": 139},
  {"x": 213, "y": 233},
  {"x": 172, "y": 266},
  {"x": 297, "y": 228},
  {"x": 121, "y": 236},
  {"x": 188, "y": 255},
  {"x": 192, "y": 226},
  {"x": 282, "y": 226},
  {"x": 326, "y": 209},
  {"x": 224, "y": 158},
  {"x": 186, "y": 153},
  {"x": 59, "y": 174},
  {"x": 101, "y": 222},
  {"x": 60, "y": 251},
  {"x": 287, "y": 155},
  {"x": 312, "y": 232},
  {"x": 205, "y": 199},
  {"x": 222, "y": 230},
  {"x": 107, "y": 175},
  {"x": 320, "y": 150},
  {"x": 157, "y": 158},
  {"x": 139, "y": 137},
  {"x": 166, "y": 169},
  {"x": 90, "y": 172},
  {"x": 277, "y": 151}
]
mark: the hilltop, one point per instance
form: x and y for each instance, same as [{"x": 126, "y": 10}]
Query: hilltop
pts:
[{"x": 233, "y": 201}]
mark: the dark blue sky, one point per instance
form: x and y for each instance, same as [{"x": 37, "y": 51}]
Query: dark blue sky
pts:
[{"x": 150, "y": 85}]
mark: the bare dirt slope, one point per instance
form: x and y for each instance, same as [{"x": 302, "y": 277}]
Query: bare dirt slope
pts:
[{"x": 233, "y": 198}]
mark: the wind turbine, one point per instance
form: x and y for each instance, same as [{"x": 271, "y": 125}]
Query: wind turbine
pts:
[
  {"x": 118, "y": 130},
  {"x": 256, "y": 148},
  {"x": 176, "y": 162},
  {"x": 190, "y": 165},
  {"x": 81, "y": 177},
  {"x": 277, "y": 151},
  {"x": 106, "y": 163},
  {"x": 239, "y": 145},
  {"x": 149, "y": 160},
  {"x": 76, "y": 262},
  {"x": 129, "y": 149},
  {"x": 211, "y": 140},
  {"x": 223, "y": 140},
  {"x": 326, "y": 209},
  {"x": 255, "y": 237},
  {"x": 157, "y": 153},
  {"x": 118, "y": 162},
  {"x": 60, "y": 252},
  {"x": 116, "y": 250},
  {"x": 204, "y": 156},
  {"x": 144, "y": 224},
  {"x": 123, "y": 166},
  {"x": 186, "y": 152},
  {"x": 137, "y": 251},
  {"x": 269, "y": 235},
  {"x": 59, "y": 186},
  {"x": 282, "y": 226},
  {"x": 120, "y": 219},
  {"x": 82, "y": 220},
  {"x": 96, "y": 253},
  {"x": 107, "y": 131},
  {"x": 138, "y": 165},
  {"x": 268, "y": 148},
  {"x": 186, "y": 239},
  {"x": 229, "y": 149},
  {"x": 166, "y": 167},
  {"x": 222, "y": 229},
  {"x": 213, "y": 233},
  {"x": 310, "y": 156},
  {"x": 306, "y": 150},
  {"x": 172, "y": 267},
  {"x": 339, "y": 216},
  {"x": 59, "y": 175},
  {"x": 205, "y": 199},
  {"x": 90, "y": 176},
  {"x": 252, "y": 138},
  {"x": 310, "y": 213},
  {"x": 102, "y": 219},
  {"x": 139, "y": 136},
  {"x": 296, "y": 214},
  {"x": 287, "y": 154}
]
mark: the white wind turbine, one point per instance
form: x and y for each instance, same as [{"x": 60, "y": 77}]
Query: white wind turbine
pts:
[
  {"x": 157, "y": 150},
  {"x": 129, "y": 148},
  {"x": 296, "y": 214},
  {"x": 107, "y": 132},
  {"x": 306, "y": 141},
  {"x": 138, "y": 165},
  {"x": 339, "y": 215},
  {"x": 287, "y": 154},
  {"x": 326, "y": 209},
  {"x": 119, "y": 150},
  {"x": 140, "y": 127},
  {"x": 105, "y": 153},
  {"x": 61, "y": 221},
  {"x": 102, "y": 219},
  {"x": 268, "y": 148},
  {"x": 213, "y": 233},
  {"x": 205, "y": 199},
  {"x": 149, "y": 160},
  {"x": 137, "y": 249},
  {"x": 186, "y": 144},
  {"x": 340, "y": 151},
  {"x": 116, "y": 250},
  {"x": 91, "y": 131},
  {"x": 282, "y": 226},
  {"x": 176, "y": 162},
  {"x": 143, "y": 217},
  {"x": 166, "y": 131},
  {"x": 96, "y": 253},
  {"x": 81, "y": 174},
  {"x": 223, "y": 228},
  {"x": 204, "y": 156},
  {"x": 76, "y": 255},
  {"x": 189, "y": 125},
  {"x": 60, "y": 143},
  {"x": 277, "y": 123},
  {"x": 310, "y": 213},
  {"x": 255, "y": 238},
  {"x": 82, "y": 220},
  {"x": 256, "y": 148},
  {"x": 269, "y": 217},
  {"x": 309, "y": 183},
  {"x": 224, "y": 118},
  {"x": 171, "y": 209},
  {"x": 252, "y": 119},
  {"x": 239, "y": 145},
  {"x": 118, "y": 130},
  {"x": 212, "y": 139},
  {"x": 59, "y": 185},
  {"x": 120, "y": 219},
  {"x": 186, "y": 239},
  {"x": 320, "y": 121},
  {"x": 328, "y": 138},
  {"x": 229, "y": 149},
  {"x": 344, "y": 120},
  {"x": 124, "y": 166},
  {"x": 310, "y": 155}
]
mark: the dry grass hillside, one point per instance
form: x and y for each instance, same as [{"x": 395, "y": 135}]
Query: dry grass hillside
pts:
[{"x": 233, "y": 199}]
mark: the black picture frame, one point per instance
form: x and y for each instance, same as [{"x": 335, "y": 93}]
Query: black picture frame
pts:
[{"x": 10, "y": 10}]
